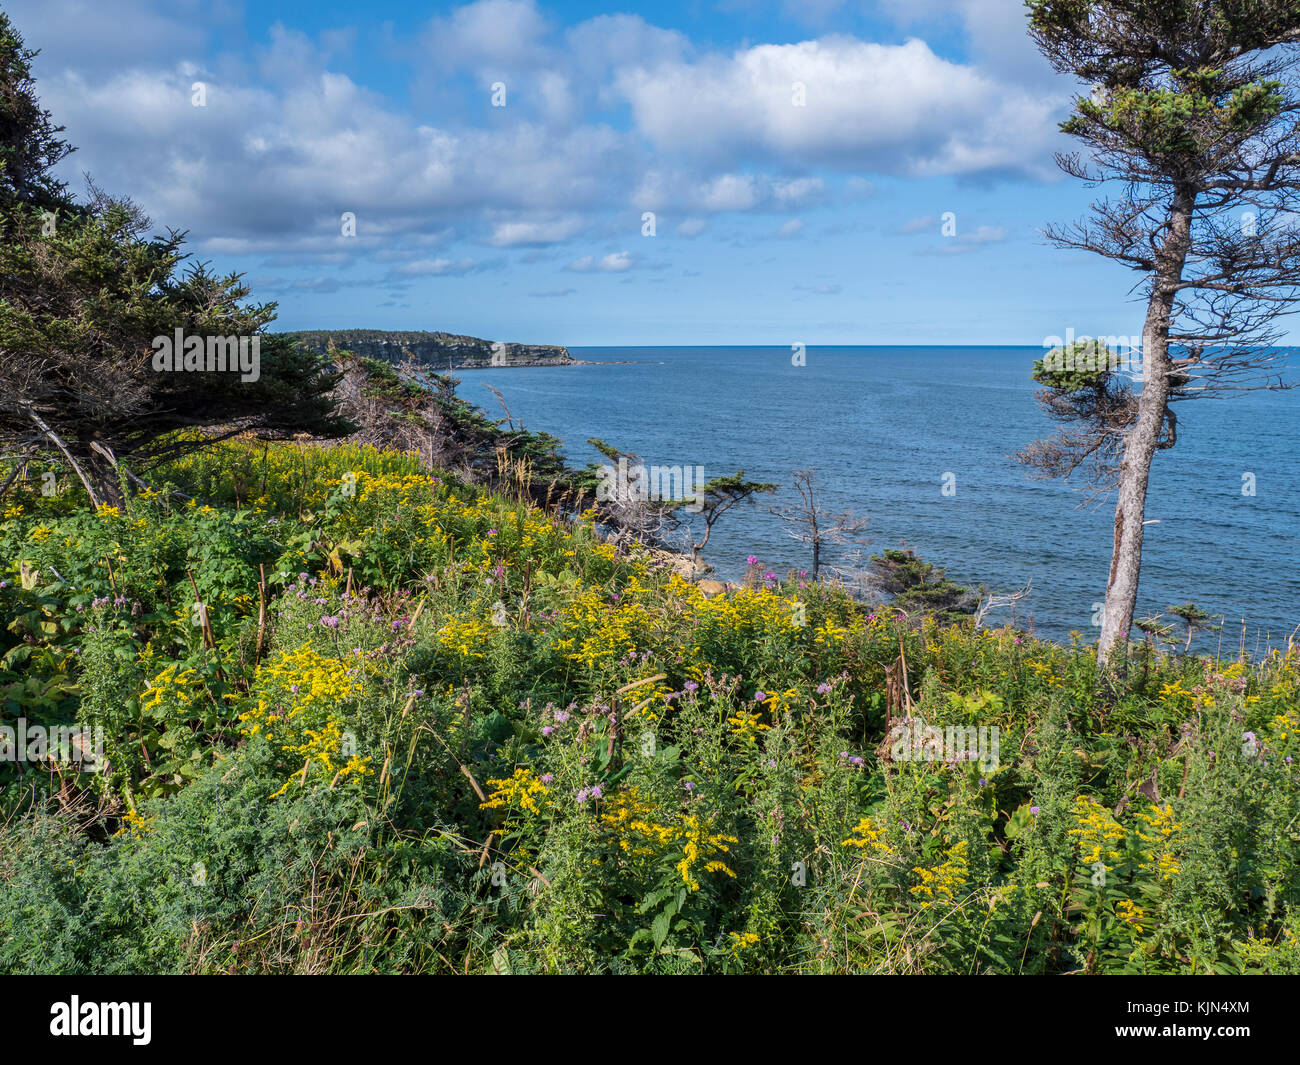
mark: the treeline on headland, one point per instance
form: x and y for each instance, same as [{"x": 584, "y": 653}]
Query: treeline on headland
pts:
[{"x": 435, "y": 350}]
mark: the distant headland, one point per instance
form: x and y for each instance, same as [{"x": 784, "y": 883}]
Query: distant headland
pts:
[{"x": 438, "y": 351}]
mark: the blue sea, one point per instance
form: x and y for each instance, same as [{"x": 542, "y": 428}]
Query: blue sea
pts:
[{"x": 882, "y": 426}]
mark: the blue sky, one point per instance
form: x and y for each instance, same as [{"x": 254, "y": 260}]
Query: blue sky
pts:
[{"x": 781, "y": 215}]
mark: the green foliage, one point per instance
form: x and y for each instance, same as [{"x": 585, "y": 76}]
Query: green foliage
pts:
[
  {"x": 29, "y": 143},
  {"x": 1085, "y": 365},
  {"x": 918, "y": 587},
  {"x": 84, "y": 296},
  {"x": 454, "y": 733}
]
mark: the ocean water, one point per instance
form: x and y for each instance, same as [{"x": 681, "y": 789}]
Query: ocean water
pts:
[{"x": 883, "y": 426}]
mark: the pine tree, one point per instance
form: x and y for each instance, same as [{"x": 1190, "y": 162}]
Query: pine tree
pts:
[{"x": 1191, "y": 117}]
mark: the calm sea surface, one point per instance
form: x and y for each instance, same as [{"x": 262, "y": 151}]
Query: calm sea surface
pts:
[{"x": 882, "y": 427}]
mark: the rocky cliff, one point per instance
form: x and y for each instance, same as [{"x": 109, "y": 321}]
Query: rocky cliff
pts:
[{"x": 438, "y": 351}]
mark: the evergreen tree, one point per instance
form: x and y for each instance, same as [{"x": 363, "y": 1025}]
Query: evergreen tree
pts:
[
  {"x": 89, "y": 305},
  {"x": 1190, "y": 116}
]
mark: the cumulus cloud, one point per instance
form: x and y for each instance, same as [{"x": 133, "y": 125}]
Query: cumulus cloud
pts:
[
  {"x": 489, "y": 33},
  {"x": 837, "y": 101},
  {"x": 287, "y": 144}
]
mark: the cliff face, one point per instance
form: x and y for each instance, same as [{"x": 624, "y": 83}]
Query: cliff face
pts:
[{"x": 438, "y": 351}]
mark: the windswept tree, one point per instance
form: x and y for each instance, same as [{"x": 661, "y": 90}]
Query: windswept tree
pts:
[
  {"x": 919, "y": 588},
  {"x": 810, "y": 523},
  {"x": 85, "y": 296},
  {"x": 719, "y": 496},
  {"x": 626, "y": 501},
  {"x": 1196, "y": 620},
  {"x": 1191, "y": 119}
]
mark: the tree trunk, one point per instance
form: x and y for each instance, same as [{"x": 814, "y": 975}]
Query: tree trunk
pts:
[
  {"x": 106, "y": 481},
  {"x": 697, "y": 548},
  {"x": 1144, "y": 437},
  {"x": 101, "y": 468},
  {"x": 57, "y": 441}
]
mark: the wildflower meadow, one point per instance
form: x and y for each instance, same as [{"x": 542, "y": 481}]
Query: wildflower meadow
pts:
[{"x": 361, "y": 717}]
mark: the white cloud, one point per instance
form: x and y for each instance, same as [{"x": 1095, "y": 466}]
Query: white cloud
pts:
[
  {"x": 733, "y": 191},
  {"x": 534, "y": 234},
  {"x": 996, "y": 33},
  {"x": 489, "y": 33},
  {"x": 889, "y": 108},
  {"x": 614, "y": 263},
  {"x": 436, "y": 268},
  {"x": 286, "y": 144}
]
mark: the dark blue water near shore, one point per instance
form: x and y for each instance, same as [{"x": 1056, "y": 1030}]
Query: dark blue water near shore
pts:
[{"x": 883, "y": 426}]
